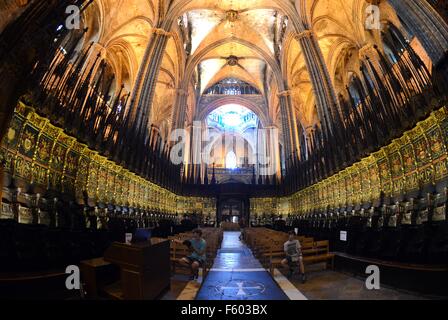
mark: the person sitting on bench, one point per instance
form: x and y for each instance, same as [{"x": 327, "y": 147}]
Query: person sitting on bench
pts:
[
  {"x": 242, "y": 224},
  {"x": 196, "y": 259},
  {"x": 293, "y": 253}
]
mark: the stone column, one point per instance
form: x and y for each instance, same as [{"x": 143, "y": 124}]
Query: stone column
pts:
[
  {"x": 320, "y": 78},
  {"x": 154, "y": 133},
  {"x": 197, "y": 143},
  {"x": 426, "y": 24},
  {"x": 274, "y": 150},
  {"x": 180, "y": 109},
  {"x": 262, "y": 149},
  {"x": 186, "y": 155},
  {"x": 146, "y": 81},
  {"x": 289, "y": 123},
  {"x": 309, "y": 138}
]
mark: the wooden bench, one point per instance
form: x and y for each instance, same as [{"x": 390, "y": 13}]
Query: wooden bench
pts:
[
  {"x": 273, "y": 249},
  {"x": 312, "y": 252},
  {"x": 277, "y": 255},
  {"x": 179, "y": 251},
  {"x": 267, "y": 246},
  {"x": 319, "y": 253}
]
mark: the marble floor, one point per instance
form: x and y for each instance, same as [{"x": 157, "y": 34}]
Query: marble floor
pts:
[
  {"x": 237, "y": 275},
  {"x": 234, "y": 254}
]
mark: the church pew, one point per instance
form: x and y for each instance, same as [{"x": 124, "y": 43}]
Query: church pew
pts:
[
  {"x": 213, "y": 238},
  {"x": 312, "y": 252}
]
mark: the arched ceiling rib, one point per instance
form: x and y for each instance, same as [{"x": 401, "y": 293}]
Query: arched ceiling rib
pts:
[
  {"x": 236, "y": 72},
  {"x": 246, "y": 36},
  {"x": 128, "y": 22},
  {"x": 250, "y": 40}
]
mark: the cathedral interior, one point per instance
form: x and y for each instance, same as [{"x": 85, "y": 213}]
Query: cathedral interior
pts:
[{"x": 247, "y": 119}]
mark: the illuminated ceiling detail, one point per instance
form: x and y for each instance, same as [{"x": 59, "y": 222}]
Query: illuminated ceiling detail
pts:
[
  {"x": 232, "y": 87},
  {"x": 232, "y": 117},
  {"x": 233, "y": 38},
  {"x": 253, "y": 41}
]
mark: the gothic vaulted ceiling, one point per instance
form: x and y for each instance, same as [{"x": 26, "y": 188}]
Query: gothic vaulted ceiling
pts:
[{"x": 251, "y": 40}]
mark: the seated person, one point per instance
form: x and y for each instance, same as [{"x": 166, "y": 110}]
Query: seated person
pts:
[
  {"x": 196, "y": 259},
  {"x": 242, "y": 224},
  {"x": 293, "y": 253}
]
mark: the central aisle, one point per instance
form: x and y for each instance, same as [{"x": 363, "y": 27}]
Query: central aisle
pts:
[{"x": 238, "y": 275}]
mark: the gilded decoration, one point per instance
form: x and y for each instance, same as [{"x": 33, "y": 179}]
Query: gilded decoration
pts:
[
  {"x": 418, "y": 157},
  {"x": 37, "y": 151}
]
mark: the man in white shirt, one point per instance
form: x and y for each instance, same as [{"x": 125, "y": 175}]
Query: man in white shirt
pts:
[{"x": 294, "y": 256}]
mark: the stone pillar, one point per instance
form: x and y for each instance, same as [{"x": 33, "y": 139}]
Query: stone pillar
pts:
[
  {"x": 320, "y": 78},
  {"x": 309, "y": 138},
  {"x": 274, "y": 147},
  {"x": 289, "y": 123},
  {"x": 180, "y": 109},
  {"x": 426, "y": 24},
  {"x": 285, "y": 127},
  {"x": 196, "y": 136},
  {"x": 146, "y": 81},
  {"x": 263, "y": 153},
  {"x": 187, "y": 148},
  {"x": 154, "y": 133}
]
